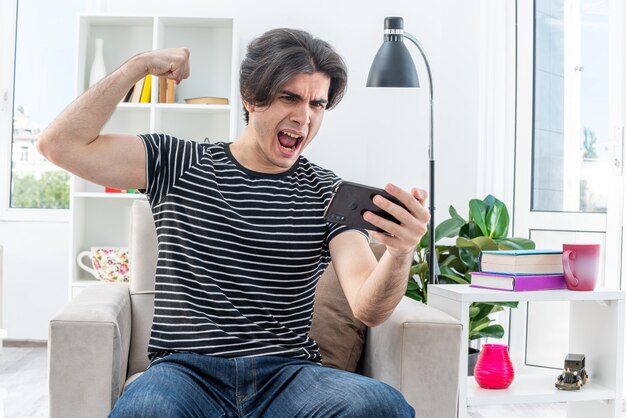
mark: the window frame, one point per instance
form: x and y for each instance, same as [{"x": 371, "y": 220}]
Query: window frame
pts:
[{"x": 8, "y": 32}]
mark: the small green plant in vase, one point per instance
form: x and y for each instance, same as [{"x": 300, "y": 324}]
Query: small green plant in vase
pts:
[{"x": 485, "y": 228}]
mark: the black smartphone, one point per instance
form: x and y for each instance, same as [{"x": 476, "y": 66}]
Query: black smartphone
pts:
[{"x": 351, "y": 200}]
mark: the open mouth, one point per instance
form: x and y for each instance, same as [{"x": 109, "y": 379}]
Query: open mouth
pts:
[{"x": 289, "y": 141}]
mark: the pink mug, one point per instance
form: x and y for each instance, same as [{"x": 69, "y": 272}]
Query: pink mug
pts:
[{"x": 580, "y": 265}]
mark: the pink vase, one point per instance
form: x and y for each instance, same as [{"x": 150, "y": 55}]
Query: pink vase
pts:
[{"x": 494, "y": 369}]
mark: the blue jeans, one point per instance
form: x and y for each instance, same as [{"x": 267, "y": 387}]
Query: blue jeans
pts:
[{"x": 194, "y": 385}]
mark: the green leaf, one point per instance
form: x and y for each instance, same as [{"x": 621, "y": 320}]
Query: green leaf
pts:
[
  {"x": 458, "y": 265},
  {"x": 448, "y": 260},
  {"x": 470, "y": 230},
  {"x": 455, "y": 214},
  {"x": 469, "y": 258},
  {"x": 507, "y": 304},
  {"x": 448, "y": 228},
  {"x": 473, "y": 311},
  {"x": 422, "y": 268},
  {"x": 485, "y": 310},
  {"x": 413, "y": 294},
  {"x": 453, "y": 277},
  {"x": 492, "y": 331},
  {"x": 478, "y": 213},
  {"x": 515, "y": 244},
  {"x": 485, "y": 244},
  {"x": 467, "y": 243},
  {"x": 490, "y": 201},
  {"x": 412, "y": 285},
  {"x": 498, "y": 220}
]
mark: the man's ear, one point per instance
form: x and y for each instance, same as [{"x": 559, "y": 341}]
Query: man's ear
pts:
[{"x": 249, "y": 106}]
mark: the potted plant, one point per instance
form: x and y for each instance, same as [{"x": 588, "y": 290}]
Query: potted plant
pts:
[{"x": 485, "y": 228}]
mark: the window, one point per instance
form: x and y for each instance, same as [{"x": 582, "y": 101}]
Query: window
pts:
[
  {"x": 23, "y": 153},
  {"x": 43, "y": 35},
  {"x": 570, "y": 113}
]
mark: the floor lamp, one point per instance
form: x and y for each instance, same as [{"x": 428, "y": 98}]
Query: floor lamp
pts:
[{"x": 394, "y": 67}]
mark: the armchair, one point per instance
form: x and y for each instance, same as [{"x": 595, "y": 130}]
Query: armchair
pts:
[{"x": 98, "y": 342}]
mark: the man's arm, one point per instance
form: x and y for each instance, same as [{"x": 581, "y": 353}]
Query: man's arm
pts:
[
  {"x": 73, "y": 140},
  {"x": 372, "y": 289}
]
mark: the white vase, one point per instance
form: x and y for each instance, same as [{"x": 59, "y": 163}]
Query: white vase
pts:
[{"x": 98, "y": 70}]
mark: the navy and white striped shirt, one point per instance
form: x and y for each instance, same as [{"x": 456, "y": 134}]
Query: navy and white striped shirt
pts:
[{"x": 240, "y": 252}]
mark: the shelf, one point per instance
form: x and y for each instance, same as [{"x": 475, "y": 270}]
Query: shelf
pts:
[
  {"x": 535, "y": 388},
  {"x": 183, "y": 107},
  {"x": 85, "y": 282},
  {"x": 99, "y": 195},
  {"x": 98, "y": 218},
  {"x": 603, "y": 350},
  {"x": 133, "y": 106},
  {"x": 465, "y": 293}
]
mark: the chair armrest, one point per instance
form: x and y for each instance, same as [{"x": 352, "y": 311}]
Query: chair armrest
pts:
[
  {"x": 88, "y": 352},
  {"x": 417, "y": 351}
]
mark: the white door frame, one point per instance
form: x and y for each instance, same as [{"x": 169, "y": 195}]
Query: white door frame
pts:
[
  {"x": 526, "y": 220},
  {"x": 8, "y": 15}
]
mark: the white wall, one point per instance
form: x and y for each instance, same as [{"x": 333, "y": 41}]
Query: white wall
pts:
[
  {"x": 35, "y": 276},
  {"x": 374, "y": 136}
]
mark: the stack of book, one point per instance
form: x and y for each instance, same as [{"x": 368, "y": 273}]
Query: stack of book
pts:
[
  {"x": 140, "y": 92},
  {"x": 520, "y": 270}
]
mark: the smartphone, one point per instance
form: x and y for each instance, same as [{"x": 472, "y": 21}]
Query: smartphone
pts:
[{"x": 351, "y": 200}]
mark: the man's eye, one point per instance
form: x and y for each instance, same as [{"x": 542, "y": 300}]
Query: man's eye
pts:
[{"x": 289, "y": 98}]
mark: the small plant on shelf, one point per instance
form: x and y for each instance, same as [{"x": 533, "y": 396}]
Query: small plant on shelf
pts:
[{"x": 485, "y": 228}]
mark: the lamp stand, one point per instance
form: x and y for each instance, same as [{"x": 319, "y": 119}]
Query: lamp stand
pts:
[{"x": 433, "y": 266}]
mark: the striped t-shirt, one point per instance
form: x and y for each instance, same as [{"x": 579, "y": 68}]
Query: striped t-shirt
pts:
[{"x": 240, "y": 252}]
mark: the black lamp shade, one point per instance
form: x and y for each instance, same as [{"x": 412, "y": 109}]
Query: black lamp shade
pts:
[{"x": 393, "y": 66}]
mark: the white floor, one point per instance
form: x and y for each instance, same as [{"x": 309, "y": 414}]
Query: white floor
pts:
[{"x": 24, "y": 381}]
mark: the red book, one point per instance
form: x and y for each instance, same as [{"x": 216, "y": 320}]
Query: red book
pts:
[{"x": 517, "y": 283}]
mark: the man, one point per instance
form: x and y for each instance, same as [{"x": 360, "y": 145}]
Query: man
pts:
[{"x": 242, "y": 240}]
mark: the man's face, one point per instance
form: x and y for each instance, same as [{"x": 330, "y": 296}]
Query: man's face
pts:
[{"x": 284, "y": 128}]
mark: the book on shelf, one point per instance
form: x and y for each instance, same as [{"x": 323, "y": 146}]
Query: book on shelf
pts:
[
  {"x": 145, "y": 91},
  {"x": 162, "y": 90},
  {"x": 171, "y": 91},
  {"x": 517, "y": 282},
  {"x": 522, "y": 261},
  {"x": 126, "y": 98},
  {"x": 129, "y": 191},
  {"x": 137, "y": 91},
  {"x": 207, "y": 100}
]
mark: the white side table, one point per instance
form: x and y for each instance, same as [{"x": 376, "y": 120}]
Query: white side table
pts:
[{"x": 596, "y": 330}]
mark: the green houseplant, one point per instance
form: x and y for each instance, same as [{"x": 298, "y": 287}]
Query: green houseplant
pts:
[{"x": 485, "y": 228}]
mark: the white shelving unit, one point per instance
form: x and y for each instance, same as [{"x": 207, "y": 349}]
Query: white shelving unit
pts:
[
  {"x": 596, "y": 330},
  {"x": 102, "y": 219}
]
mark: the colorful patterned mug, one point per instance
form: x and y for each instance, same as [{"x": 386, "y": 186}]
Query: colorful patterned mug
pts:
[{"x": 110, "y": 264}]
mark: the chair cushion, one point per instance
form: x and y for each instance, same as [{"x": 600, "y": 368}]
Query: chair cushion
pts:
[{"x": 339, "y": 335}]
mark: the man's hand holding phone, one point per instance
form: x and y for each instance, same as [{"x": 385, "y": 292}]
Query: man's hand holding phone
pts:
[
  {"x": 393, "y": 216},
  {"x": 400, "y": 238}
]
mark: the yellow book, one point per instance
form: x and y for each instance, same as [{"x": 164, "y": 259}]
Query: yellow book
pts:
[{"x": 145, "y": 93}]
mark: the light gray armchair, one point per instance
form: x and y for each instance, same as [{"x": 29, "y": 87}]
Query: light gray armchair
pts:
[{"x": 98, "y": 342}]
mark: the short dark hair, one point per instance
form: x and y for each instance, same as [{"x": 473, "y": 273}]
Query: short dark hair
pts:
[{"x": 278, "y": 55}]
